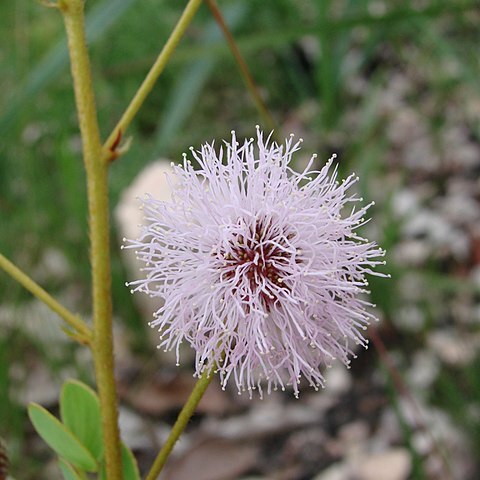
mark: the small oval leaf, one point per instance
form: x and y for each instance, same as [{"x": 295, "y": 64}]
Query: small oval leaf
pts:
[
  {"x": 62, "y": 441},
  {"x": 67, "y": 470},
  {"x": 80, "y": 413},
  {"x": 129, "y": 466}
]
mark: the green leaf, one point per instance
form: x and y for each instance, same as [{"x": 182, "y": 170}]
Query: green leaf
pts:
[
  {"x": 63, "y": 442},
  {"x": 129, "y": 466},
  {"x": 67, "y": 470},
  {"x": 80, "y": 413}
]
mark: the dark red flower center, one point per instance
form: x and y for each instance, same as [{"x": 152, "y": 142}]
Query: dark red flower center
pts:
[{"x": 261, "y": 253}]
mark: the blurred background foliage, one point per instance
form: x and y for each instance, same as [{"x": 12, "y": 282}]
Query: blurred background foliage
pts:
[{"x": 391, "y": 86}]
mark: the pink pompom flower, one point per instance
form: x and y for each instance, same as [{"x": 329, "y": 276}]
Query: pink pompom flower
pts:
[{"x": 259, "y": 267}]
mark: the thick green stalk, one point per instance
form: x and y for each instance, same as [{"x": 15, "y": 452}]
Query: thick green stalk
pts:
[
  {"x": 182, "y": 420},
  {"x": 81, "y": 328},
  {"x": 98, "y": 215},
  {"x": 146, "y": 87}
]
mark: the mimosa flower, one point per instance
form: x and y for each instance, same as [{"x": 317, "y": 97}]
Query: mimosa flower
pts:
[{"x": 259, "y": 267}]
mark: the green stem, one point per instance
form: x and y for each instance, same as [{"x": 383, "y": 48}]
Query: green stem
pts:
[
  {"x": 84, "y": 331},
  {"x": 242, "y": 66},
  {"x": 97, "y": 191},
  {"x": 146, "y": 87},
  {"x": 182, "y": 420},
  {"x": 328, "y": 69}
]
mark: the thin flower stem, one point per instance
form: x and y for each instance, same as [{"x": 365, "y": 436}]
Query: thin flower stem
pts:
[
  {"x": 97, "y": 191},
  {"x": 80, "y": 327},
  {"x": 182, "y": 420},
  {"x": 146, "y": 87},
  {"x": 242, "y": 66}
]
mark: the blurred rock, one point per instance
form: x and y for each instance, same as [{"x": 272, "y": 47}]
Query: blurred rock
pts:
[
  {"x": 439, "y": 433},
  {"x": 459, "y": 150},
  {"x": 53, "y": 265},
  {"x": 412, "y": 287},
  {"x": 393, "y": 464},
  {"x": 129, "y": 219},
  {"x": 354, "y": 437},
  {"x": 454, "y": 348},
  {"x": 475, "y": 274},
  {"x": 290, "y": 472},
  {"x": 157, "y": 396},
  {"x": 306, "y": 448},
  {"x": 444, "y": 237},
  {"x": 34, "y": 319},
  {"x": 33, "y": 132},
  {"x": 252, "y": 478},
  {"x": 264, "y": 419},
  {"x": 134, "y": 431},
  {"x": 151, "y": 180},
  {"x": 406, "y": 123},
  {"x": 337, "y": 379},
  {"x": 36, "y": 384},
  {"x": 412, "y": 252},
  {"x": 422, "y": 442},
  {"x": 409, "y": 318},
  {"x": 213, "y": 459},
  {"x": 426, "y": 222},
  {"x": 388, "y": 431},
  {"x": 424, "y": 370},
  {"x": 404, "y": 202},
  {"x": 420, "y": 154},
  {"x": 338, "y": 471},
  {"x": 392, "y": 99},
  {"x": 460, "y": 208}
]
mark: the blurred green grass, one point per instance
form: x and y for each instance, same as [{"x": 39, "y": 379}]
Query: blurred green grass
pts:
[{"x": 303, "y": 55}]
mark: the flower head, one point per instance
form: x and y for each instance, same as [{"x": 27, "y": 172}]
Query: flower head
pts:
[{"x": 259, "y": 266}]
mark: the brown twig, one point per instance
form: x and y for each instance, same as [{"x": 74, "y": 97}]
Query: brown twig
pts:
[
  {"x": 404, "y": 391},
  {"x": 242, "y": 66}
]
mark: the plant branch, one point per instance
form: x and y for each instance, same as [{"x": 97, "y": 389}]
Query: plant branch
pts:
[
  {"x": 242, "y": 66},
  {"x": 98, "y": 216},
  {"x": 83, "y": 330},
  {"x": 403, "y": 389},
  {"x": 182, "y": 420},
  {"x": 110, "y": 146}
]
